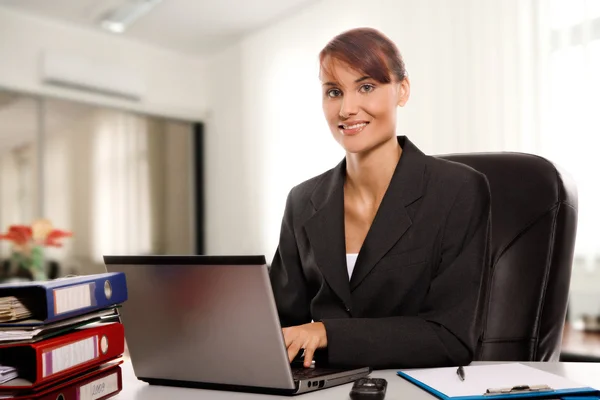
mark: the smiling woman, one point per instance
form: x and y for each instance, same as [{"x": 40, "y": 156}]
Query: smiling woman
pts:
[
  {"x": 412, "y": 297},
  {"x": 362, "y": 70}
]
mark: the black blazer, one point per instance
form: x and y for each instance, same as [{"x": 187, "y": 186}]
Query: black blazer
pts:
[{"x": 417, "y": 291}]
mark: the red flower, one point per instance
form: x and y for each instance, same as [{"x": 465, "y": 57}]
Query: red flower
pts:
[
  {"x": 53, "y": 237},
  {"x": 20, "y": 235},
  {"x": 40, "y": 233}
]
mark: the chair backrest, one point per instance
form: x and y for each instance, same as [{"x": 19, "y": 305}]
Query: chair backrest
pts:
[{"x": 534, "y": 221}]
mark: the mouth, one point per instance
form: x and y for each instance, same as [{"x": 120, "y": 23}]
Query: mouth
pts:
[{"x": 352, "y": 129}]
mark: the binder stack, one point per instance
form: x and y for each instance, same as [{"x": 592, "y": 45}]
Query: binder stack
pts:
[{"x": 62, "y": 339}]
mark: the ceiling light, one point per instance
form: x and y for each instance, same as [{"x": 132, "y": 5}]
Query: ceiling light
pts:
[{"x": 119, "y": 19}]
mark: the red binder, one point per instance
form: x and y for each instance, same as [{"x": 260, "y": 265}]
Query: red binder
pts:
[
  {"x": 98, "y": 384},
  {"x": 49, "y": 360}
]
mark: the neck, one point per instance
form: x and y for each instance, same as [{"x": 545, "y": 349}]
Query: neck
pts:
[{"x": 368, "y": 175}]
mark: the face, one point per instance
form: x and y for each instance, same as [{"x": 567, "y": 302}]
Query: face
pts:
[{"x": 360, "y": 111}]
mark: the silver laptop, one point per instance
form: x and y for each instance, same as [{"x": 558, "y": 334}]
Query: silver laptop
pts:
[{"x": 211, "y": 322}]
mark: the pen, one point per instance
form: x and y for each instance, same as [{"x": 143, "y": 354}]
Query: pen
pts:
[{"x": 461, "y": 373}]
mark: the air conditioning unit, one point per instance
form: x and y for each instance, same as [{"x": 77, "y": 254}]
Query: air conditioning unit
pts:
[{"x": 80, "y": 73}]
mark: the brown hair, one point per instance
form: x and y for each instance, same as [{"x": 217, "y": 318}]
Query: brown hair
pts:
[{"x": 366, "y": 50}]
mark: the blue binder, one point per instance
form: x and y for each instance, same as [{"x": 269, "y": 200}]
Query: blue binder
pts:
[
  {"x": 63, "y": 298},
  {"x": 440, "y": 381}
]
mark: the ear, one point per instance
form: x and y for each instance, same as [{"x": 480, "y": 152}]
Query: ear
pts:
[{"x": 403, "y": 92}]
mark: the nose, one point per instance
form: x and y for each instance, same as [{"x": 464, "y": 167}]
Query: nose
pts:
[{"x": 349, "y": 106}]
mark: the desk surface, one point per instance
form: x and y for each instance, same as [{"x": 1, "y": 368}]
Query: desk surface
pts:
[{"x": 398, "y": 388}]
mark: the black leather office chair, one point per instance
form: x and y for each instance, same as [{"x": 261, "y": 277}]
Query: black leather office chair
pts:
[{"x": 534, "y": 219}]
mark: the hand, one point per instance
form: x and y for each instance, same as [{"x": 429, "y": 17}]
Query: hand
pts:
[{"x": 308, "y": 337}]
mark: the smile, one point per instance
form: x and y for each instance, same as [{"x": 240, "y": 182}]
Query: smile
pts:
[{"x": 352, "y": 129}]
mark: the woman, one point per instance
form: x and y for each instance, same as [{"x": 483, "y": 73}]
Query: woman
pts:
[{"x": 382, "y": 260}]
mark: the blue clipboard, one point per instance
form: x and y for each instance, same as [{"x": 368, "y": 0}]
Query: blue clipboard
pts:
[{"x": 438, "y": 385}]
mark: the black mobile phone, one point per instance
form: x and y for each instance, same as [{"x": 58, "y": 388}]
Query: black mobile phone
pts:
[{"x": 368, "y": 389}]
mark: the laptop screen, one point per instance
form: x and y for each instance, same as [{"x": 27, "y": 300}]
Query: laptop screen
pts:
[{"x": 203, "y": 319}]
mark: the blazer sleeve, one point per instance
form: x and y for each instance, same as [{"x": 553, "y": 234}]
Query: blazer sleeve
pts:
[
  {"x": 446, "y": 330},
  {"x": 287, "y": 279}
]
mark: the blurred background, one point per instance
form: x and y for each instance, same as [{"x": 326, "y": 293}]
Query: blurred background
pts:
[{"x": 179, "y": 126}]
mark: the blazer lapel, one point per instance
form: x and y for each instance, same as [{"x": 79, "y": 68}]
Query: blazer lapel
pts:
[
  {"x": 392, "y": 219},
  {"x": 325, "y": 231}
]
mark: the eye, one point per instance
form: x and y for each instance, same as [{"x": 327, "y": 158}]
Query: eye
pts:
[
  {"x": 334, "y": 93},
  {"x": 367, "y": 88}
]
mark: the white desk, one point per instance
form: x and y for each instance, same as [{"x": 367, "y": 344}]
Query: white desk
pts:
[{"x": 398, "y": 388}]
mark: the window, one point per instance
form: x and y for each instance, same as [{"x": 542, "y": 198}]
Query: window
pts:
[
  {"x": 571, "y": 110},
  {"x": 121, "y": 188}
]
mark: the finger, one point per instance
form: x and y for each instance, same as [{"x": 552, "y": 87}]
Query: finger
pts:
[
  {"x": 293, "y": 349},
  {"x": 309, "y": 352},
  {"x": 308, "y": 356}
]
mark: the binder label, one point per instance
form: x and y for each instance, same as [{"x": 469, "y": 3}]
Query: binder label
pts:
[
  {"x": 69, "y": 356},
  {"x": 72, "y": 298},
  {"x": 99, "y": 388}
]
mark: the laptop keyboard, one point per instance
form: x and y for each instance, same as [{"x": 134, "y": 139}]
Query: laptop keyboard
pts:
[{"x": 309, "y": 373}]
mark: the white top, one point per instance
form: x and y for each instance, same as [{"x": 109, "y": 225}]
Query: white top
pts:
[{"x": 351, "y": 262}]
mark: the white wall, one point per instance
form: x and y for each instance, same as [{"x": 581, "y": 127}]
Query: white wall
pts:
[
  {"x": 266, "y": 132},
  {"x": 175, "y": 82},
  {"x": 227, "y": 196}
]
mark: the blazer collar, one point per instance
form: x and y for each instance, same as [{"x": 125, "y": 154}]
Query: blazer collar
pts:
[
  {"x": 407, "y": 178},
  {"x": 326, "y": 232}
]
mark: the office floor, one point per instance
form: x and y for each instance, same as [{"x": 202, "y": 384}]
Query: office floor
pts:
[{"x": 579, "y": 345}]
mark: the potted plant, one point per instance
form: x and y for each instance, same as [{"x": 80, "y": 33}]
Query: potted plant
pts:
[{"x": 28, "y": 243}]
